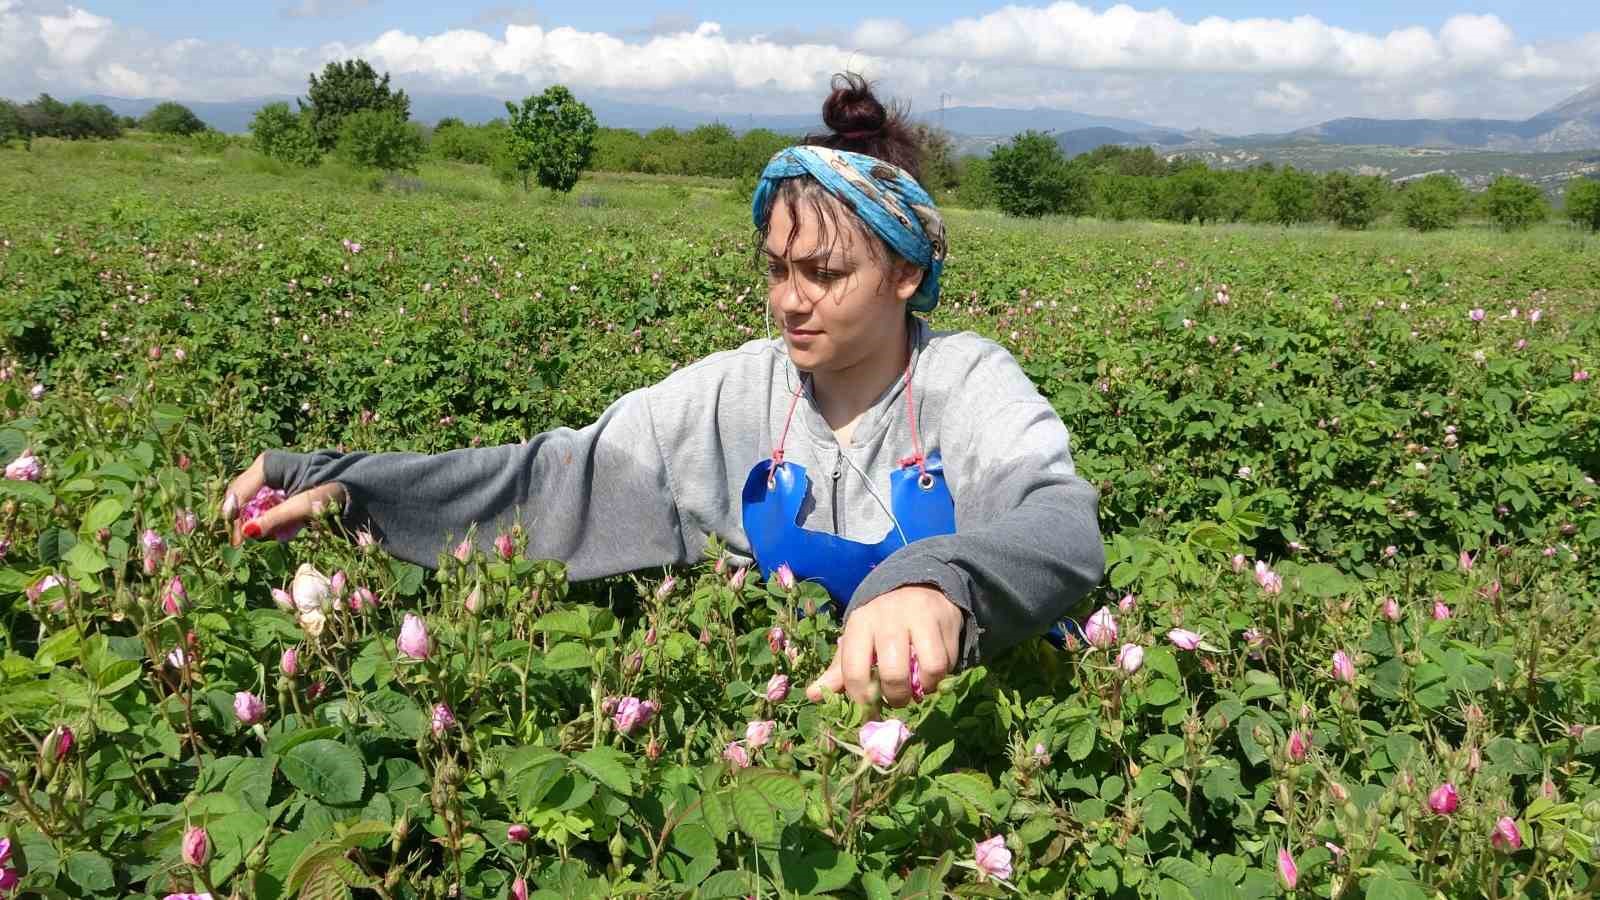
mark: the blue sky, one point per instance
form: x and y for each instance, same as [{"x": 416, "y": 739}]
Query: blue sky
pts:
[
  {"x": 263, "y": 24},
  {"x": 1227, "y": 65}
]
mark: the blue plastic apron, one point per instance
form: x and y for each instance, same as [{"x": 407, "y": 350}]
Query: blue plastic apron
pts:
[{"x": 919, "y": 499}]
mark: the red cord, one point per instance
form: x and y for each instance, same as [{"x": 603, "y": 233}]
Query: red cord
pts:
[{"x": 911, "y": 411}]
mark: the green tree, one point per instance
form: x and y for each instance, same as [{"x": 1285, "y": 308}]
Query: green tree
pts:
[
  {"x": 976, "y": 189},
  {"x": 11, "y": 125},
  {"x": 344, "y": 88},
  {"x": 940, "y": 174},
  {"x": 1032, "y": 178},
  {"x": 1288, "y": 196},
  {"x": 284, "y": 136},
  {"x": 1432, "y": 203},
  {"x": 448, "y": 122},
  {"x": 1583, "y": 202},
  {"x": 380, "y": 139},
  {"x": 1193, "y": 194},
  {"x": 1351, "y": 201},
  {"x": 552, "y": 136},
  {"x": 1514, "y": 204},
  {"x": 172, "y": 118}
]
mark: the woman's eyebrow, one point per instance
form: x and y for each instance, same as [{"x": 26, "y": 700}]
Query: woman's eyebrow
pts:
[{"x": 822, "y": 254}]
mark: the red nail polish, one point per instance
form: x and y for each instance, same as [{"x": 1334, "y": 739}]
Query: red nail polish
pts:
[{"x": 252, "y": 529}]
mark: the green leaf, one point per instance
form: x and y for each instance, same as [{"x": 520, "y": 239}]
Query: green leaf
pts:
[
  {"x": 936, "y": 758},
  {"x": 1390, "y": 886},
  {"x": 567, "y": 655},
  {"x": 27, "y": 492},
  {"x": 327, "y": 770},
  {"x": 607, "y": 765},
  {"x": 762, "y": 800},
  {"x": 101, "y": 515},
  {"x": 118, "y": 675},
  {"x": 90, "y": 871},
  {"x": 84, "y": 559},
  {"x": 1159, "y": 692},
  {"x": 400, "y": 713},
  {"x": 973, "y": 790},
  {"x": 1080, "y": 740}
]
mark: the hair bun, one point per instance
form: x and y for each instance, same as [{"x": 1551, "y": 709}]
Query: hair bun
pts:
[
  {"x": 860, "y": 123},
  {"x": 851, "y": 111}
]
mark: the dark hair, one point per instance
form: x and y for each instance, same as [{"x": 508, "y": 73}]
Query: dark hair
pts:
[{"x": 859, "y": 123}]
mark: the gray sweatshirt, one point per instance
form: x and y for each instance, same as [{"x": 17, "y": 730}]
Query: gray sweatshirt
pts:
[{"x": 663, "y": 467}]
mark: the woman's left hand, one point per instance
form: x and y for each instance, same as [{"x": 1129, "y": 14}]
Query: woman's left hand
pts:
[{"x": 886, "y": 631}]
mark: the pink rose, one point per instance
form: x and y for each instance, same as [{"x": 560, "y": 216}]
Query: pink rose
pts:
[
  {"x": 248, "y": 708},
  {"x": 777, "y": 688},
  {"x": 881, "y": 741},
  {"x": 736, "y": 754},
  {"x": 992, "y": 858},
  {"x": 1184, "y": 639},
  {"x": 758, "y": 733},
  {"x": 413, "y": 640},
  {"x": 1444, "y": 799}
]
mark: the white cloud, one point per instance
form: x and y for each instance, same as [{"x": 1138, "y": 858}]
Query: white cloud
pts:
[
  {"x": 1285, "y": 97},
  {"x": 1228, "y": 74},
  {"x": 74, "y": 37}
]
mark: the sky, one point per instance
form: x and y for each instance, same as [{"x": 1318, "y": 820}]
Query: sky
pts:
[{"x": 1232, "y": 66}]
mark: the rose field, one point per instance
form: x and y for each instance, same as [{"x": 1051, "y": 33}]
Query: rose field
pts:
[{"x": 1347, "y": 645}]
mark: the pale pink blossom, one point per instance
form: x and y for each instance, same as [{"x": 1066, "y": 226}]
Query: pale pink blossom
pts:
[
  {"x": 785, "y": 576},
  {"x": 991, "y": 858},
  {"x": 881, "y": 741},
  {"x": 248, "y": 708},
  {"x": 1130, "y": 658},
  {"x": 758, "y": 733},
  {"x": 25, "y": 467},
  {"x": 1185, "y": 639},
  {"x": 1101, "y": 629},
  {"x": 1440, "y": 611},
  {"x": 1391, "y": 609},
  {"x": 777, "y": 688},
  {"x": 413, "y": 640},
  {"x": 736, "y": 754},
  {"x": 289, "y": 662},
  {"x": 632, "y": 714},
  {"x": 1344, "y": 669},
  {"x": 442, "y": 719}
]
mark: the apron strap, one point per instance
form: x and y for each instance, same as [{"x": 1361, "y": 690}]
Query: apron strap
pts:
[{"x": 917, "y": 458}]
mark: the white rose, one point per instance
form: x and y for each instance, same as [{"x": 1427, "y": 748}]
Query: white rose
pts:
[
  {"x": 311, "y": 589},
  {"x": 312, "y": 623}
]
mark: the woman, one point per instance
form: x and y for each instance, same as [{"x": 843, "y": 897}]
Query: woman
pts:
[{"x": 917, "y": 474}]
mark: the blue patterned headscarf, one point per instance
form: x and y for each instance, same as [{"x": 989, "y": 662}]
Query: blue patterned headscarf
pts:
[{"x": 883, "y": 196}]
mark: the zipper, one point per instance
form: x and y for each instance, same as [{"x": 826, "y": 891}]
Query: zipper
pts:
[{"x": 838, "y": 470}]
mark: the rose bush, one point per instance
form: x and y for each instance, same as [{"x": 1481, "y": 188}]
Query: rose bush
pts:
[{"x": 1293, "y": 486}]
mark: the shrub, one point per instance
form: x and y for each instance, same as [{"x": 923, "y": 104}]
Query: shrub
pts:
[
  {"x": 1032, "y": 178},
  {"x": 1514, "y": 204},
  {"x": 1351, "y": 201},
  {"x": 1583, "y": 202},
  {"x": 1432, "y": 203},
  {"x": 172, "y": 118},
  {"x": 380, "y": 139},
  {"x": 551, "y": 136},
  {"x": 282, "y": 135}
]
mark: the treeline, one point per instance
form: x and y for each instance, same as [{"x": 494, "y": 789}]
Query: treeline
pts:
[
  {"x": 45, "y": 116},
  {"x": 1030, "y": 176}
]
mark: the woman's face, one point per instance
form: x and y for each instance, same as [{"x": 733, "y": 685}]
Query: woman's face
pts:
[{"x": 838, "y": 303}]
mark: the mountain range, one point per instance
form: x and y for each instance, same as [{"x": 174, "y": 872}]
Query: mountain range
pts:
[{"x": 1572, "y": 125}]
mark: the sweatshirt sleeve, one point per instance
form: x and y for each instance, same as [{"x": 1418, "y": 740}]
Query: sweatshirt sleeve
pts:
[
  {"x": 1027, "y": 547},
  {"x": 598, "y": 498}
]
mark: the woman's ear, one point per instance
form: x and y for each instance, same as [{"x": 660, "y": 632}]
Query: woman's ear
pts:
[{"x": 908, "y": 277}]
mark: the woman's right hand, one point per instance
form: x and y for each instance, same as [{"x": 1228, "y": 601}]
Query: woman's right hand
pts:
[{"x": 294, "y": 511}]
